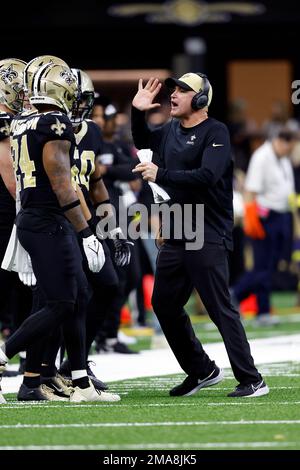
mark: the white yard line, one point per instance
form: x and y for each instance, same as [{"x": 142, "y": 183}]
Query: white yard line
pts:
[
  {"x": 154, "y": 424},
  {"x": 72, "y": 406},
  {"x": 158, "y": 445}
]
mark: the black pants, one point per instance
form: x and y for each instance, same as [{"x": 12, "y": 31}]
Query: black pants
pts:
[
  {"x": 276, "y": 245},
  {"x": 128, "y": 276},
  {"x": 57, "y": 263},
  {"x": 178, "y": 271}
]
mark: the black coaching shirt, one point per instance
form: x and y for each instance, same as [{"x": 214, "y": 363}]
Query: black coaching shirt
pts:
[
  {"x": 7, "y": 202},
  {"x": 30, "y": 131},
  {"x": 195, "y": 167}
]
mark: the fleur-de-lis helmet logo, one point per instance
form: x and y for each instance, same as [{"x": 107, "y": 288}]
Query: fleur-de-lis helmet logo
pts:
[
  {"x": 8, "y": 75},
  {"x": 58, "y": 128},
  {"x": 68, "y": 76}
]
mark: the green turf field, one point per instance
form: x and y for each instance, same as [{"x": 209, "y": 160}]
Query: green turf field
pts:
[{"x": 147, "y": 418}]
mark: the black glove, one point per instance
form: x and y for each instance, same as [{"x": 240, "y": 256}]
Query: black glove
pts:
[
  {"x": 121, "y": 244},
  {"x": 122, "y": 251}
]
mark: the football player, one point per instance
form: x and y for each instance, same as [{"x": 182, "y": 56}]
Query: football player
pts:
[
  {"x": 40, "y": 380},
  {"x": 50, "y": 207},
  {"x": 40, "y": 360},
  {"x": 11, "y": 103},
  {"x": 86, "y": 173}
]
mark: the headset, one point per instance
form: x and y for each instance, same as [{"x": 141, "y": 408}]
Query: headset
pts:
[{"x": 200, "y": 100}]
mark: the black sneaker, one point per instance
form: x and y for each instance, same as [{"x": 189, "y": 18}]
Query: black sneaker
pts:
[
  {"x": 65, "y": 371},
  {"x": 121, "y": 348},
  {"x": 191, "y": 385},
  {"x": 117, "y": 347},
  {"x": 40, "y": 393},
  {"x": 31, "y": 394},
  {"x": 258, "y": 389}
]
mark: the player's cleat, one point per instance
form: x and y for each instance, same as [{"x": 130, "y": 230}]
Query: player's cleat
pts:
[
  {"x": 59, "y": 384},
  {"x": 257, "y": 389},
  {"x": 10, "y": 373},
  {"x": 65, "y": 371},
  {"x": 98, "y": 384},
  {"x": 40, "y": 393},
  {"x": 191, "y": 385},
  {"x": 91, "y": 394}
]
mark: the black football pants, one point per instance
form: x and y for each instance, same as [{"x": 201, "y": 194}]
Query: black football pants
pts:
[
  {"x": 178, "y": 271},
  {"x": 57, "y": 264}
]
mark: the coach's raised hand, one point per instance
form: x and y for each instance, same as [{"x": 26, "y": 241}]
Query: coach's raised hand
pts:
[{"x": 144, "y": 97}]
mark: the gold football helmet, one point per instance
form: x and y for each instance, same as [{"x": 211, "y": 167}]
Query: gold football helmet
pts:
[
  {"x": 85, "y": 98},
  {"x": 11, "y": 84},
  {"x": 34, "y": 65},
  {"x": 55, "y": 85}
]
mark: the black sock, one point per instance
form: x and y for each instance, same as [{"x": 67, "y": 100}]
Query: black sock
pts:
[
  {"x": 32, "y": 382},
  {"x": 83, "y": 382},
  {"x": 48, "y": 371}
]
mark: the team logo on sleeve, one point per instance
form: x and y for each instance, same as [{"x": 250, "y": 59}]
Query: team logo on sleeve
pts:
[
  {"x": 5, "y": 129},
  {"x": 8, "y": 75},
  {"x": 58, "y": 128}
]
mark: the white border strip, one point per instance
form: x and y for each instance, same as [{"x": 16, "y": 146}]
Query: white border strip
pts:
[{"x": 73, "y": 406}]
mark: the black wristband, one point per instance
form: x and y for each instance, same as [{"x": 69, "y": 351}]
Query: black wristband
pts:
[
  {"x": 73, "y": 204},
  {"x": 85, "y": 233},
  {"x": 97, "y": 204}
]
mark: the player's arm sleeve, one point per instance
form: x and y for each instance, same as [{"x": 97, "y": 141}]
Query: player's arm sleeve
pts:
[
  {"x": 215, "y": 160},
  {"x": 143, "y": 137}
]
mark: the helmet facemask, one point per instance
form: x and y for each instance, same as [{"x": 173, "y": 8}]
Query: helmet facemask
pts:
[
  {"x": 85, "y": 98},
  {"x": 83, "y": 107}
]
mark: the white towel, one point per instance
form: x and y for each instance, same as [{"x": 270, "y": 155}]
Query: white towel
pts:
[{"x": 159, "y": 194}]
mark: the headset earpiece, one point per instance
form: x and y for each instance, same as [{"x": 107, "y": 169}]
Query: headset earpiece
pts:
[{"x": 200, "y": 100}]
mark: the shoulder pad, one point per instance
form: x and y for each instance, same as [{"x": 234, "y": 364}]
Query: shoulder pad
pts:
[{"x": 57, "y": 123}]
